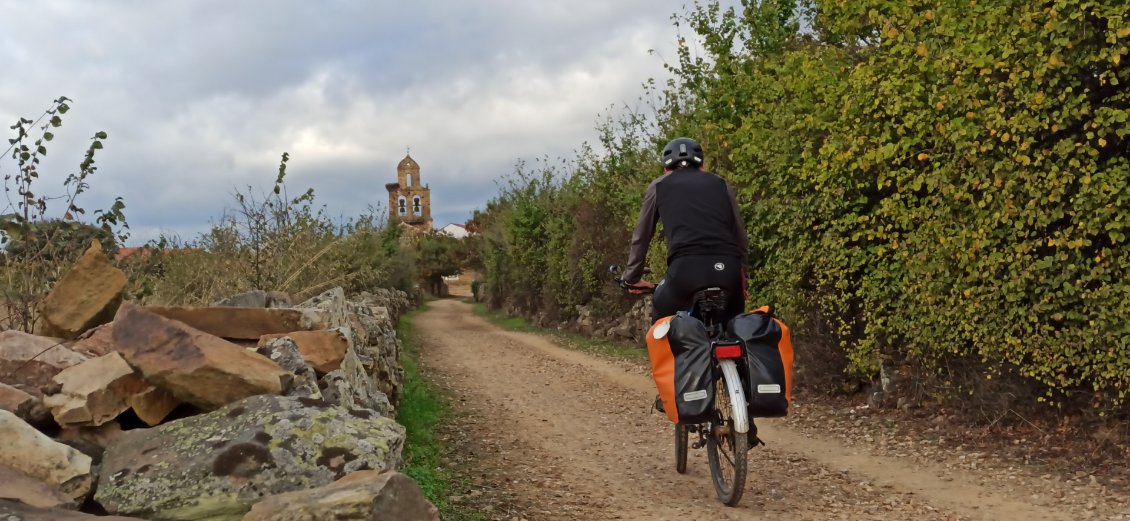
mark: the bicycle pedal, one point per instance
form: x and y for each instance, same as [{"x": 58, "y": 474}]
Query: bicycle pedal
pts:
[{"x": 755, "y": 442}]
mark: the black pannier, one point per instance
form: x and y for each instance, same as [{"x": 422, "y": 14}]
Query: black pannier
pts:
[
  {"x": 767, "y": 360},
  {"x": 683, "y": 368}
]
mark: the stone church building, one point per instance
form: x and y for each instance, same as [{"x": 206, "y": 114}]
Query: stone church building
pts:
[
  {"x": 410, "y": 205},
  {"x": 409, "y": 201}
]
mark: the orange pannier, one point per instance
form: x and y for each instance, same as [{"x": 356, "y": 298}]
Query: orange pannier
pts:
[{"x": 682, "y": 367}]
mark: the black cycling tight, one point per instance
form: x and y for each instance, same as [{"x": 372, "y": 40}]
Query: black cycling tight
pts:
[{"x": 692, "y": 273}]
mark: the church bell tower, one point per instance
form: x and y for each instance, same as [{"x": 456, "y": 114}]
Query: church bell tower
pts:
[{"x": 409, "y": 201}]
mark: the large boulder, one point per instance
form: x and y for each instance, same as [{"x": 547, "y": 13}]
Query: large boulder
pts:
[
  {"x": 98, "y": 390},
  {"x": 245, "y": 323},
  {"x": 29, "y": 407},
  {"x": 33, "y": 360},
  {"x": 333, "y": 305},
  {"x": 368, "y": 494},
  {"x": 351, "y": 386},
  {"x": 215, "y": 466},
  {"x": 17, "y": 486},
  {"x": 12, "y": 511},
  {"x": 91, "y": 441},
  {"x": 96, "y": 342},
  {"x": 31, "y": 452},
  {"x": 323, "y": 349},
  {"x": 195, "y": 367},
  {"x": 153, "y": 404},
  {"x": 284, "y": 352},
  {"x": 382, "y": 316},
  {"x": 394, "y": 300},
  {"x": 255, "y": 298},
  {"x": 279, "y": 299},
  {"x": 384, "y": 347},
  {"x": 88, "y": 295},
  {"x": 94, "y": 392}
]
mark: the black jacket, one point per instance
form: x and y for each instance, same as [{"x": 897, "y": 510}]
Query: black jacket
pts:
[{"x": 700, "y": 217}]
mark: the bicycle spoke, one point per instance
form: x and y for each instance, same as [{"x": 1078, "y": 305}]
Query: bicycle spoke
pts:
[
  {"x": 727, "y": 450},
  {"x": 729, "y": 460}
]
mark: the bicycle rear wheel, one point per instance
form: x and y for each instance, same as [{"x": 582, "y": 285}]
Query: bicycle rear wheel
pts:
[
  {"x": 681, "y": 448},
  {"x": 726, "y": 447}
]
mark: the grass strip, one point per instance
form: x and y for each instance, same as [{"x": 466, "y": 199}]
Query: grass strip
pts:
[{"x": 423, "y": 408}]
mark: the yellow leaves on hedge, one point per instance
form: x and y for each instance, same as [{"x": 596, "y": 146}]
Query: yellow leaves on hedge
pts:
[
  {"x": 892, "y": 33},
  {"x": 1039, "y": 97},
  {"x": 923, "y": 156},
  {"x": 1123, "y": 32},
  {"x": 1054, "y": 61},
  {"x": 921, "y": 50}
]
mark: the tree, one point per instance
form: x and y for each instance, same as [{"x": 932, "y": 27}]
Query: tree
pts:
[{"x": 437, "y": 257}]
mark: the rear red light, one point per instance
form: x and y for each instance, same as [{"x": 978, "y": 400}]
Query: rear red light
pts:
[{"x": 727, "y": 351}]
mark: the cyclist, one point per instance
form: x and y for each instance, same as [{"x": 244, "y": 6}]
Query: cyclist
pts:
[{"x": 706, "y": 238}]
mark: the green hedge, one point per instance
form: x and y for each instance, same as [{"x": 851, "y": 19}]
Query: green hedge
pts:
[{"x": 929, "y": 180}]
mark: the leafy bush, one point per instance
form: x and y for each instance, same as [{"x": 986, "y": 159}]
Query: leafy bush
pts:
[
  {"x": 549, "y": 236},
  {"x": 437, "y": 256},
  {"x": 926, "y": 184},
  {"x": 54, "y": 239},
  {"x": 271, "y": 242},
  {"x": 40, "y": 240}
]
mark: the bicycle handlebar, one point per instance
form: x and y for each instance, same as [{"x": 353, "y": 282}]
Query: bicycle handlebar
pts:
[{"x": 615, "y": 270}]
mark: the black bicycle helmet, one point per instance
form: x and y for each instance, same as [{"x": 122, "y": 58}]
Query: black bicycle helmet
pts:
[{"x": 682, "y": 152}]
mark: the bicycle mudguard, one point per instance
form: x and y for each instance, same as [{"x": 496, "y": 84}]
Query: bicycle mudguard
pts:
[
  {"x": 682, "y": 367},
  {"x": 768, "y": 362}
]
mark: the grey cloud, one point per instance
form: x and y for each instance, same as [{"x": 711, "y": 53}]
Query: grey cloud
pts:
[{"x": 200, "y": 97}]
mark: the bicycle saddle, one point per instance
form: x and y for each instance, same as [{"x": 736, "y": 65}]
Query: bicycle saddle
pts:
[{"x": 711, "y": 302}]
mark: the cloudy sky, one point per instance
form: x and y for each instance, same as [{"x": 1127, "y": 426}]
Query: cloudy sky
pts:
[{"x": 201, "y": 97}]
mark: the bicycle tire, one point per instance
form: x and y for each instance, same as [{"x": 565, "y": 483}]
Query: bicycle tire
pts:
[
  {"x": 681, "y": 437},
  {"x": 725, "y": 447}
]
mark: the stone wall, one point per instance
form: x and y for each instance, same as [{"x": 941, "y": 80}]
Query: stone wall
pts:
[
  {"x": 620, "y": 327},
  {"x": 220, "y": 413}
]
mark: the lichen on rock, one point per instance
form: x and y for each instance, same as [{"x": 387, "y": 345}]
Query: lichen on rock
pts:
[{"x": 215, "y": 466}]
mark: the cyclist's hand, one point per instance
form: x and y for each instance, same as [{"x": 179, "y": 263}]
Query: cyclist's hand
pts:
[{"x": 640, "y": 287}]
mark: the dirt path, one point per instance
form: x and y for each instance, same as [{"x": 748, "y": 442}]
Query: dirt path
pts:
[{"x": 572, "y": 436}]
